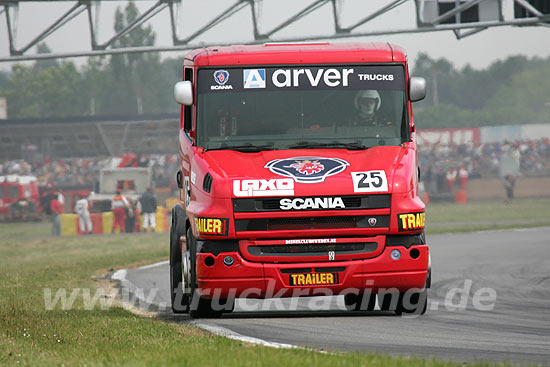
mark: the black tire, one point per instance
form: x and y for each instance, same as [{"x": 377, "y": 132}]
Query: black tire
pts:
[
  {"x": 357, "y": 302},
  {"x": 412, "y": 304},
  {"x": 404, "y": 303},
  {"x": 202, "y": 307},
  {"x": 180, "y": 301}
]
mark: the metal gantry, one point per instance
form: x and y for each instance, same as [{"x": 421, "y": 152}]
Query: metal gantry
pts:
[{"x": 431, "y": 16}]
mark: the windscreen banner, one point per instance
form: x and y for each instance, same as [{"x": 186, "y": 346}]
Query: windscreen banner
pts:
[{"x": 303, "y": 77}]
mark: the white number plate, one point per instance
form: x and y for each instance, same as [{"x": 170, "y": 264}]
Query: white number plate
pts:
[{"x": 370, "y": 181}]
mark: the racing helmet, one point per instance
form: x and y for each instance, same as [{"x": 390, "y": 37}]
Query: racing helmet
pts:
[{"x": 367, "y": 102}]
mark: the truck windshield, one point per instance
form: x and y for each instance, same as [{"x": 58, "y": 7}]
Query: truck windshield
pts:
[{"x": 349, "y": 107}]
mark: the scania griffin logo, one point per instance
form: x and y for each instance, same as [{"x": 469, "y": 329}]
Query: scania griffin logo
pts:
[
  {"x": 221, "y": 76},
  {"x": 311, "y": 203},
  {"x": 307, "y": 169}
]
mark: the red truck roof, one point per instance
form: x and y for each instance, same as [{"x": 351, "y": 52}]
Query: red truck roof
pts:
[{"x": 272, "y": 54}]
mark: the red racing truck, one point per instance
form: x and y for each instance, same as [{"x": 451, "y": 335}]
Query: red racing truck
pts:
[{"x": 299, "y": 177}]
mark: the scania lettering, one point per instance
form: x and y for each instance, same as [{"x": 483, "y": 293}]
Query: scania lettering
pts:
[
  {"x": 311, "y": 203},
  {"x": 298, "y": 173}
]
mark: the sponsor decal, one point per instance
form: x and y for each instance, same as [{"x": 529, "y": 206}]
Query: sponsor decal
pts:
[
  {"x": 273, "y": 187},
  {"x": 212, "y": 226},
  {"x": 312, "y": 203},
  {"x": 303, "y": 77},
  {"x": 313, "y": 279},
  {"x": 379, "y": 77},
  {"x": 253, "y": 78},
  {"x": 307, "y": 169},
  {"x": 285, "y": 78},
  {"x": 187, "y": 188},
  {"x": 372, "y": 222},
  {"x": 411, "y": 221},
  {"x": 369, "y": 181},
  {"x": 307, "y": 241},
  {"x": 193, "y": 177},
  {"x": 221, "y": 77}
]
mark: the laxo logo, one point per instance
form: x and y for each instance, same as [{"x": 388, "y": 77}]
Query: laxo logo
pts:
[
  {"x": 253, "y": 78},
  {"x": 221, "y": 77},
  {"x": 307, "y": 169},
  {"x": 273, "y": 187}
]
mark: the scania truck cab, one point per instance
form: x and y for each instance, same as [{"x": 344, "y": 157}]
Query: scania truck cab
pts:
[{"x": 299, "y": 177}]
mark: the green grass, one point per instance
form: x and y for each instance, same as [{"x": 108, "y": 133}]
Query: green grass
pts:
[
  {"x": 487, "y": 215},
  {"x": 31, "y": 260}
]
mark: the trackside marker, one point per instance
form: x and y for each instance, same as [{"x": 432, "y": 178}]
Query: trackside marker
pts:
[{"x": 218, "y": 330}]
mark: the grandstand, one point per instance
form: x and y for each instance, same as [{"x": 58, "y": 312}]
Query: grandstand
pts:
[{"x": 88, "y": 136}]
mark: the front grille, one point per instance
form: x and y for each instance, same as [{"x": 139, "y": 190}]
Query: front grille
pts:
[
  {"x": 301, "y": 223},
  {"x": 351, "y": 202},
  {"x": 312, "y": 249}
]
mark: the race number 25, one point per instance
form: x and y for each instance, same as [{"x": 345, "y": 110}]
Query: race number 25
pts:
[{"x": 369, "y": 181}]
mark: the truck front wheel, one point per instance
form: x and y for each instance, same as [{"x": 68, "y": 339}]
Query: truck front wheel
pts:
[
  {"x": 180, "y": 300},
  {"x": 200, "y": 307}
]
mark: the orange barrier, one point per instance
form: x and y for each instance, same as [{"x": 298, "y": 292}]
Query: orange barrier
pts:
[
  {"x": 102, "y": 223},
  {"x": 97, "y": 223},
  {"x": 425, "y": 198},
  {"x": 461, "y": 197}
]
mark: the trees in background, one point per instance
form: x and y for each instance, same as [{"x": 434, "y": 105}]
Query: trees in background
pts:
[
  {"x": 129, "y": 84},
  {"x": 507, "y": 92},
  {"x": 511, "y": 91}
]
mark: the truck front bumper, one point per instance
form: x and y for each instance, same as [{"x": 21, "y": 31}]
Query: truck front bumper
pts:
[{"x": 229, "y": 275}]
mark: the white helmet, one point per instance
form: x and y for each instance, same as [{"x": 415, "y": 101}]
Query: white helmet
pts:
[{"x": 368, "y": 109}]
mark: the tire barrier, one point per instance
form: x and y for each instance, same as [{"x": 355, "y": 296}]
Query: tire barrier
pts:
[{"x": 102, "y": 223}]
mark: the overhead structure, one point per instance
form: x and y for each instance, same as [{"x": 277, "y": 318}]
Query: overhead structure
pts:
[{"x": 463, "y": 17}]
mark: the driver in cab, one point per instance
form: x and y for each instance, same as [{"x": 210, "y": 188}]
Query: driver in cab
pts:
[{"x": 367, "y": 105}]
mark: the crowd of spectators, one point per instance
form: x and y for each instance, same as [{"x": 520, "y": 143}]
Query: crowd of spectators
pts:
[
  {"x": 84, "y": 172},
  {"x": 441, "y": 165}
]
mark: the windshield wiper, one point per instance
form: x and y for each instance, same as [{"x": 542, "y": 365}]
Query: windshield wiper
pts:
[
  {"x": 249, "y": 148},
  {"x": 311, "y": 144}
]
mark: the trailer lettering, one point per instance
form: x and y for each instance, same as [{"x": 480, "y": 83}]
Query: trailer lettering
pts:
[
  {"x": 212, "y": 226},
  {"x": 411, "y": 221},
  {"x": 313, "y": 279}
]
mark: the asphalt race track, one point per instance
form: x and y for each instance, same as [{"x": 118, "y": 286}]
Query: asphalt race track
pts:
[{"x": 515, "y": 263}]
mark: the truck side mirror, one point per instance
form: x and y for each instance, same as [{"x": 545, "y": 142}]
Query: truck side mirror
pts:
[
  {"x": 417, "y": 88},
  {"x": 183, "y": 93}
]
